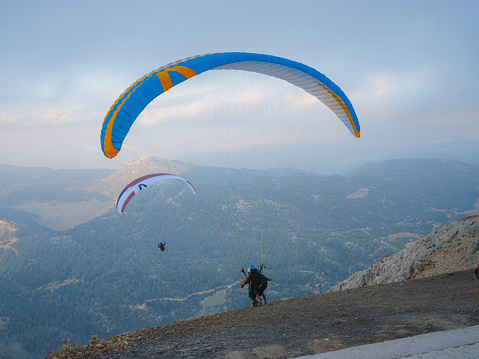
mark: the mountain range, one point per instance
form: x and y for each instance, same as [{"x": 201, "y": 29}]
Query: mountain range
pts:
[
  {"x": 424, "y": 288},
  {"x": 72, "y": 267}
]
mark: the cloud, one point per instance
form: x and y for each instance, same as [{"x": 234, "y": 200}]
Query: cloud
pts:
[
  {"x": 7, "y": 119},
  {"x": 41, "y": 90},
  {"x": 199, "y": 102},
  {"x": 400, "y": 83},
  {"x": 54, "y": 116},
  {"x": 96, "y": 84},
  {"x": 386, "y": 85},
  {"x": 91, "y": 148},
  {"x": 300, "y": 100}
]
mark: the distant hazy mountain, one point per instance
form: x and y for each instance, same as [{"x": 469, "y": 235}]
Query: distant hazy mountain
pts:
[
  {"x": 111, "y": 185},
  {"x": 71, "y": 266}
]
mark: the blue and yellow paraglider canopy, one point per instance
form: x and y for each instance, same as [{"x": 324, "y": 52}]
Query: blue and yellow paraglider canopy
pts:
[{"x": 131, "y": 103}]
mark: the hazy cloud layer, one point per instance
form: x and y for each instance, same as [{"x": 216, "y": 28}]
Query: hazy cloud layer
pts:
[{"x": 409, "y": 68}]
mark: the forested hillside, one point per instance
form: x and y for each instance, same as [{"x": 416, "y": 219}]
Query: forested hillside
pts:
[{"x": 101, "y": 273}]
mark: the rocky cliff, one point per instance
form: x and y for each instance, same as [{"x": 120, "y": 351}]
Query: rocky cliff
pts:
[{"x": 451, "y": 248}]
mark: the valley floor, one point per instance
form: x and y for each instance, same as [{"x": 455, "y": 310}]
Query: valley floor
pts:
[{"x": 308, "y": 325}]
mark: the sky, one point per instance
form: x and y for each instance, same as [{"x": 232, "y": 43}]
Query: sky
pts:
[{"x": 410, "y": 68}]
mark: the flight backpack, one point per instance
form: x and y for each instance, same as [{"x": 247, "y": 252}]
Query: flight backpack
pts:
[
  {"x": 255, "y": 278},
  {"x": 263, "y": 283}
]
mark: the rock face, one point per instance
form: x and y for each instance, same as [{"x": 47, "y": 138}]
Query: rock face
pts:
[
  {"x": 8, "y": 236},
  {"x": 451, "y": 248}
]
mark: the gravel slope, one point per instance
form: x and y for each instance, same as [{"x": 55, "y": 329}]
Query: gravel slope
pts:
[{"x": 307, "y": 325}]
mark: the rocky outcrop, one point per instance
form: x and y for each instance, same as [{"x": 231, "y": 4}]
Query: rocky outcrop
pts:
[
  {"x": 8, "y": 236},
  {"x": 451, "y": 248}
]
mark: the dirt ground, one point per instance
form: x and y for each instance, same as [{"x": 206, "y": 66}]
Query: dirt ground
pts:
[{"x": 308, "y": 325}]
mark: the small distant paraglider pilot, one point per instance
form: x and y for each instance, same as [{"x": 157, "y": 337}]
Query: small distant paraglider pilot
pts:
[
  {"x": 161, "y": 245},
  {"x": 255, "y": 280}
]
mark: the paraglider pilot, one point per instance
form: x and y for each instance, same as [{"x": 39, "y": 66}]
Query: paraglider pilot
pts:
[
  {"x": 161, "y": 245},
  {"x": 256, "y": 287}
]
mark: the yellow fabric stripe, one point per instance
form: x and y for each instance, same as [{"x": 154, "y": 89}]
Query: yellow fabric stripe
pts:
[
  {"x": 165, "y": 77},
  {"x": 111, "y": 151},
  {"x": 165, "y": 80},
  {"x": 345, "y": 108}
]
